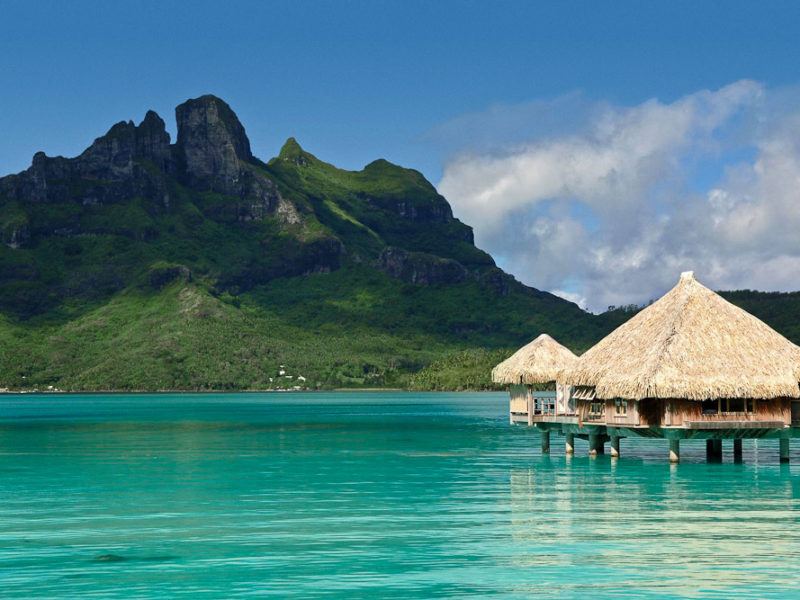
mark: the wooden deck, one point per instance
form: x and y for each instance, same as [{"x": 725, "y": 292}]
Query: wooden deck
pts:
[{"x": 601, "y": 421}]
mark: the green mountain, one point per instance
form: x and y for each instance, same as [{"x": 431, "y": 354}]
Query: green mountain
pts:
[{"x": 144, "y": 264}]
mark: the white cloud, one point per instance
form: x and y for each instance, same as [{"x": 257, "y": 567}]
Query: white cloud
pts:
[{"x": 612, "y": 213}]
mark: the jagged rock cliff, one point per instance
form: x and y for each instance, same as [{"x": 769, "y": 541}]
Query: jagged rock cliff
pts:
[
  {"x": 211, "y": 145},
  {"x": 96, "y": 223}
]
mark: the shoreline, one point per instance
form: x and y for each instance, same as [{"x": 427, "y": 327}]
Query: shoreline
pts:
[{"x": 173, "y": 392}]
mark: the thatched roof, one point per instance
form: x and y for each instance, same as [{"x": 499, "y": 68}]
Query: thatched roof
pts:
[
  {"x": 538, "y": 362},
  {"x": 690, "y": 344}
]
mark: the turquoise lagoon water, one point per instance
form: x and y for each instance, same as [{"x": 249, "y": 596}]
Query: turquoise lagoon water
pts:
[{"x": 372, "y": 495}]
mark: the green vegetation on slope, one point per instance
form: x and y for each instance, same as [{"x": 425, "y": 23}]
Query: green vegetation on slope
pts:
[
  {"x": 184, "y": 338},
  {"x": 355, "y": 327},
  {"x": 461, "y": 371},
  {"x": 352, "y": 328}
]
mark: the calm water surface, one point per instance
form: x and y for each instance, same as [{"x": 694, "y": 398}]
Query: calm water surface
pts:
[{"x": 372, "y": 495}]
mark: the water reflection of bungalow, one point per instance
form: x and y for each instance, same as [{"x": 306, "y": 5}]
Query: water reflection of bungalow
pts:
[{"x": 691, "y": 365}]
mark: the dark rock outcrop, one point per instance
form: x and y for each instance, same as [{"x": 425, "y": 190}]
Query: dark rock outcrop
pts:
[
  {"x": 432, "y": 210},
  {"x": 211, "y": 144},
  {"x": 114, "y": 155},
  {"x": 425, "y": 205},
  {"x": 110, "y": 156},
  {"x": 152, "y": 142},
  {"x": 427, "y": 269},
  {"x": 110, "y": 170},
  {"x": 420, "y": 268},
  {"x": 429, "y": 212},
  {"x": 213, "y": 154},
  {"x": 500, "y": 282}
]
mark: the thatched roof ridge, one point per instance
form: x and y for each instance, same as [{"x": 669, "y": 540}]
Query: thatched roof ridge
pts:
[
  {"x": 691, "y": 344},
  {"x": 540, "y": 361}
]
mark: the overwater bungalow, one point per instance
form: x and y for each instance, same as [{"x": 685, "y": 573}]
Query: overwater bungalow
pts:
[
  {"x": 691, "y": 365},
  {"x": 538, "y": 363}
]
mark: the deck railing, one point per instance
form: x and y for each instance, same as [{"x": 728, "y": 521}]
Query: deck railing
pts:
[
  {"x": 537, "y": 406},
  {"x": 543, "y": 403}
]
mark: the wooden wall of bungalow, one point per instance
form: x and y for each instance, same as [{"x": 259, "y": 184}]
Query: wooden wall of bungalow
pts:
[
  {"x": 686, "y": 413},
  {"x": 519, "y": 398}
]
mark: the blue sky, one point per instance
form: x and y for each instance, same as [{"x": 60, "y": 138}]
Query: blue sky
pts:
[{"x": 426, "y": 84}]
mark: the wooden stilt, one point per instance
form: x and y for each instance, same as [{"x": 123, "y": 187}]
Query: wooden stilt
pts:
[
  {"x": 737, "y": 450},
  {"x": 594, "y": 442},
  {"x": 570, "y": 443},
  {"x": 717, "y": 449},
  {"x": 530, "y": 409},
  {"x": 784, "y": 447},
  {"x": 545, "y": 442},
  {"x": 714, "y": 450},
  {"x": 615, "y": 447},
  {"x": 674, "y": 451}
]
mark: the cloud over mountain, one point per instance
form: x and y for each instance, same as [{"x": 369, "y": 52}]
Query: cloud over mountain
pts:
[{"x": 610, "y": 205}]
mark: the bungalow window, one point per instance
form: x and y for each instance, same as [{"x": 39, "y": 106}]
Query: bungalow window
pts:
[
  {"x": 731, "y": 405},
  {"x": 621, "y": 406},
  {"x": 597, "y": 408},
  {"x": 710, "y": 407},
  {"x": 735, "y": 404}
]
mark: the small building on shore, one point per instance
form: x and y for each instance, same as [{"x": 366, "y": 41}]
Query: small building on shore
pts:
[{"x": 691, "y": 365}]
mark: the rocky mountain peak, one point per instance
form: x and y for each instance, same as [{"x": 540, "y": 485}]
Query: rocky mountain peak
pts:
[
  {"x": 294, "y": 153},
  {"x": 114, "y": 153},
  {"x": 111, "y": 154},
  {"x": 152, "y": 140},
  {"x": 211, "y": 142}
]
